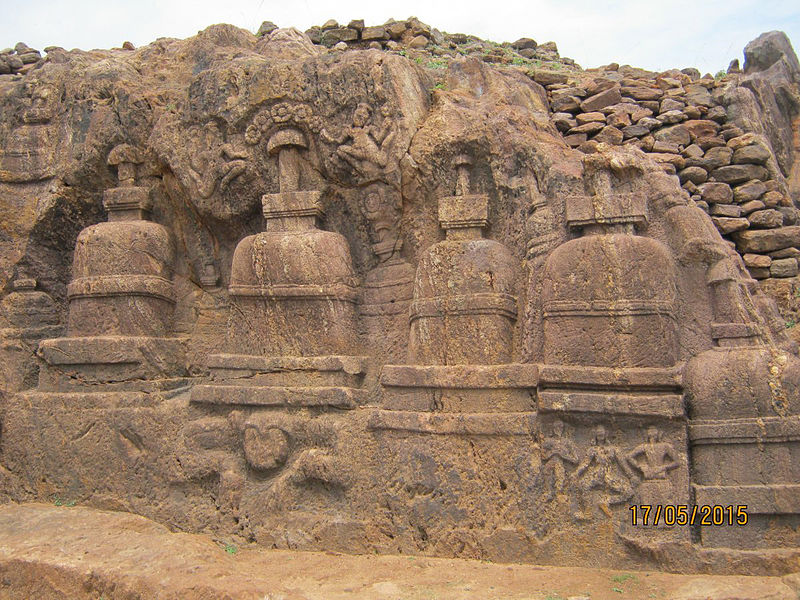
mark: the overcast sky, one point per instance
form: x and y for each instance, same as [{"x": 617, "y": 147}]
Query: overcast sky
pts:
[{"x": 705, "y": 34}]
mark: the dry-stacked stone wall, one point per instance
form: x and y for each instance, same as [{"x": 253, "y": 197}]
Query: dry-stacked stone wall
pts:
[
  {"x": 19, "y": 59},
  {"x": 425, "y": 44},
  {"x": 678, "y": 119}
]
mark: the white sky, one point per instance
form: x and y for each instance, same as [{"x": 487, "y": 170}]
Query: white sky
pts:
[{"x": 705, "y": 34}]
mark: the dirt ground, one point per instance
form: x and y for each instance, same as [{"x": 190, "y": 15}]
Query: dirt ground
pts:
[{"x": 54, "y": 552}]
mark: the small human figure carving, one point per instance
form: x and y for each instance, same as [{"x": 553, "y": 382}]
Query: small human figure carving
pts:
[
  {"x": 367, "y": 147},
  {"x": 387, "y": 130},
  {"x": 218, "y": 162},
  {"x": 383, "y": 208},
  {"x": 598, "y": 472},
  {"x": 557, "y": 453},
  {"x": 658, "y": 458}
]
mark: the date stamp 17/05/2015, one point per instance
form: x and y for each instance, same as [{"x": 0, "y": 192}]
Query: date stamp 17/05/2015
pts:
[{"x": 669, "y": 515}]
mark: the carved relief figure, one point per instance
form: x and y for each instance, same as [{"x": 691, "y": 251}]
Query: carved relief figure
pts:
[
  {"x": 383, "y": 208},
  {"x": 557, "y": 453},
  {"x": 219, "y": 162},
  {"x": 600, "y": 470},
  {"x": 362, "y": 146},
  {"x": 654, "y": 459},
  {"x": 43, "y": 103}
]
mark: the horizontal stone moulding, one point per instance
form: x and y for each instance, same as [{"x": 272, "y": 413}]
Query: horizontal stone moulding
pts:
[
  {"x": 760, "y": 499},
  {"x": 569, "y": 378},
  {"x": 334, "y": 291},
  {"x": 384, "y": 309},
  {"x": 29, "y": 333},
  {"x": 277, "y": 396},
  {"x": 101, "y": 286},
  {"x": 389, "y": 285},
  {"x": 733, "y": 330},
  {"x": 127, "y": 198},
  {"x": 668, "y": 406},
  {"x": 73, "y": 390},
  {"x": 108, "y": 399},
  {"x": 304, "y": 203},
  {"x": 745, "y": 431},
  {"x": 99, "y": 364},
  {"x": 110, "y": 350},
  {"x": 352, "y": 365},
  {"x": 506, "y": 376},
  {"x": 492, "y": 424},
  {"x": 465, "y": 304},
  {"x": 603, "y": 308}
]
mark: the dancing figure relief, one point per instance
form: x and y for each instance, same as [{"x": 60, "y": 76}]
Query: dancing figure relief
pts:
[
  {"x": 218, "y": 165},
  {"x": 654, "y": 459},
  {"x": 606, "y": 469},
  {"x": 361, "y": 146}
]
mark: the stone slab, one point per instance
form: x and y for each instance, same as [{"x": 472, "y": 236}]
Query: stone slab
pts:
[
  {"x": 667, "y": 405},
  {"x": 106, "y": 350},
  {"x": 619, "y": 208},
  {"x": 115, "y": 360},
  {"x": 745, "y": 431},
  {"x": 767, "y": 240},
  {"x": 759, "y": 499},
  {"x": 352, "y": 365},
  {"x": 461, "y": 376},
  {"x": 276, "y": 396},
  {"x": 654, "y": 379}
]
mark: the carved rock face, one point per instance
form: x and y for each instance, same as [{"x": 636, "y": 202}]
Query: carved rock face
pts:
[
  {"x": 265, "y": 450},
  {"x": 29, "y": 308},
  {"x": 743, "y": 382},
  {"x": 370, "y": 387},
  {"x": 28, "y": 154},
  {"x": 124, "y": 248}
]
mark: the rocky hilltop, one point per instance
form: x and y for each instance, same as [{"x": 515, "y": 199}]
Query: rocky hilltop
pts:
[{"x": 388, "y": 289}]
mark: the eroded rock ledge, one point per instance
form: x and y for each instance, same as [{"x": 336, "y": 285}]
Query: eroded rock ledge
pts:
[{"x": 76, "y": 553}]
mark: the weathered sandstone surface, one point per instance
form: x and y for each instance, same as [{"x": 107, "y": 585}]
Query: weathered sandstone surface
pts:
[{"x": 389, "y": 290}]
